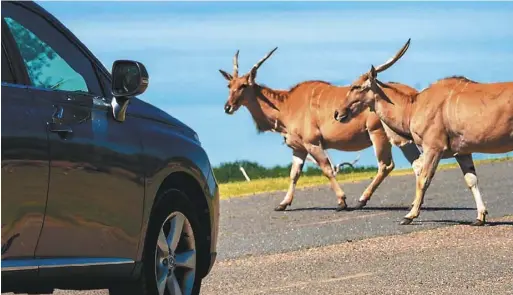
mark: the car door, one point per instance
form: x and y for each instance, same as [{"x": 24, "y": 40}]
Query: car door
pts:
[
  {"x": 96, "y": 186},
  {"x": 25, "y": 165}
]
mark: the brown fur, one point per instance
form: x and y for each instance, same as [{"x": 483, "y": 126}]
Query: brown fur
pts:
[
  {"x": 304, "y": 116},
  {"x": 454, "y": 116}
]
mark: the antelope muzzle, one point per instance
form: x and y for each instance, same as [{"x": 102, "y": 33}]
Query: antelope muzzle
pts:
[{"x": 228, "y": 109}]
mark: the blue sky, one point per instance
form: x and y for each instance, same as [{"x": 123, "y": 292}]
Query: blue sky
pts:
[{"x": 183, "y": 44}]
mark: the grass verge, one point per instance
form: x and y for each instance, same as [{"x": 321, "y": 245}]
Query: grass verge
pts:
[{"x": 264, "y": 185}]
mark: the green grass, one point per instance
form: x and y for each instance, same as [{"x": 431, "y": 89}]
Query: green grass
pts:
[{"x": 243, "y": 188}]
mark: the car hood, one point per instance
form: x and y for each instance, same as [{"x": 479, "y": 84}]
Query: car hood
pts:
[{"x": 146, "y": 110}]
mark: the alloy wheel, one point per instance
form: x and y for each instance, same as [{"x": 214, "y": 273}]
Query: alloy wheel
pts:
[{"x": 175, "y": 256}]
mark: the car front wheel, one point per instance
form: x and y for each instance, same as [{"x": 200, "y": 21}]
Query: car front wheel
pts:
[{"x": 170, "y": 254}]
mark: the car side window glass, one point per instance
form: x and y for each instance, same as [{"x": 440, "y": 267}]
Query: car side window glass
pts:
[
  {"x": 45, "y": 67},
  {"x": 53, "y": 62},
  {"x": 7, "y": 75}
]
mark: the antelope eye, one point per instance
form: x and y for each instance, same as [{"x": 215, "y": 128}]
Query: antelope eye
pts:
[{"x": 243, "y": 86}]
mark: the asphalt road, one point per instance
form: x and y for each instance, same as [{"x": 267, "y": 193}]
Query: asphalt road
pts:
[
  {"x": 312, "y": 249},
  {"x": 250, "y": 227}
]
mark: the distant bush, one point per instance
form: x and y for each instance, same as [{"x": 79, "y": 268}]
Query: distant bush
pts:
[{"x": 230, "y": 172}]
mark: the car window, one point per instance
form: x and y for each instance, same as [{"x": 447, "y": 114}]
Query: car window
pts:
[
  {"x": 45, "y": 67},
  {"x": 52, "y": 61},
  {"x": 7, "y": 75}
]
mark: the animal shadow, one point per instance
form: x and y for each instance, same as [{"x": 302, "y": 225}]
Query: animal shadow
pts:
[
  {"x": 466, "y": 222},
  {"x": 386, "y": 208},
  {"x": 404, "y": 208},
  {"x": 313, "y": 209}
]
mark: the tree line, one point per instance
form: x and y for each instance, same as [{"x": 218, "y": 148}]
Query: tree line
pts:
[{"x": 230, "y": 171}]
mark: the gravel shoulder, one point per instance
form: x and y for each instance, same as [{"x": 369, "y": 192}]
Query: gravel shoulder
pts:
[{"x": 452, "y": 260}]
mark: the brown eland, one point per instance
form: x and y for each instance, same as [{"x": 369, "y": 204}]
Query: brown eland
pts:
[
  {"x": 453, "y": 117},
  {"x": 303, "y": 115}
]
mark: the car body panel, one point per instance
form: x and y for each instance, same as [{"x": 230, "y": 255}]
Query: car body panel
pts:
[
  {"x": 25, "y": 172},
  {"x": 169, "y": 150},
  {"x": 214, "y": 205},
  {"x": 96, "y": 188}
]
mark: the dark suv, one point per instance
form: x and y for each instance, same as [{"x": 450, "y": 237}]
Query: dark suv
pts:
[{"x": 99, "y": 189}]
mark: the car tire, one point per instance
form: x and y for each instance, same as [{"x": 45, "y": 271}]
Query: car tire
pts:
[{"x": 171, "y": 209}]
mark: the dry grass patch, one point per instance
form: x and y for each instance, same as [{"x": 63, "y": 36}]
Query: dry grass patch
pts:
[{"x": 264, "y": 185}]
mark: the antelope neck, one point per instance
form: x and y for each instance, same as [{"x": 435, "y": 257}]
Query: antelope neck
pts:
[
  {"x": 265, "y": 109},
  {"x": 395, "y": 110}
]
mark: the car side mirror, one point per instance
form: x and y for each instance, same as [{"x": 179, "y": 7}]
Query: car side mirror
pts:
[{"x": 129, "y": 79}]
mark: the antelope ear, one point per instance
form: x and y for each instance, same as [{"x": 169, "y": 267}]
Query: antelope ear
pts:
[{"x": 226, "y": 75}]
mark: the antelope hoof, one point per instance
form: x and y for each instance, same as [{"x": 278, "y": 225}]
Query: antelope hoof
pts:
[
  {"x": 361, "y": 204},
  {"x": 341, "y": 207},
  {"x": 281, "y": 207},
  {"x": 478, "y": 223},
  {"x": 406, "y": 221}
]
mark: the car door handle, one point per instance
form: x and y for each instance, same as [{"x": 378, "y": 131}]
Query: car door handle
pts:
[
  {"x": 60, "y": 128},
  {"x": 56, "y": 125}
]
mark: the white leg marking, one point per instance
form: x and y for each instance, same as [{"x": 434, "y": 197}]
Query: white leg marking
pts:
[
  {"x": 290, "y": 194},
  {"x": 297, "y": 160},
  {"x": 297, "y": 163},
  {"x": 471, "y": 180},
  {"x": 417, "y": 165}
]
